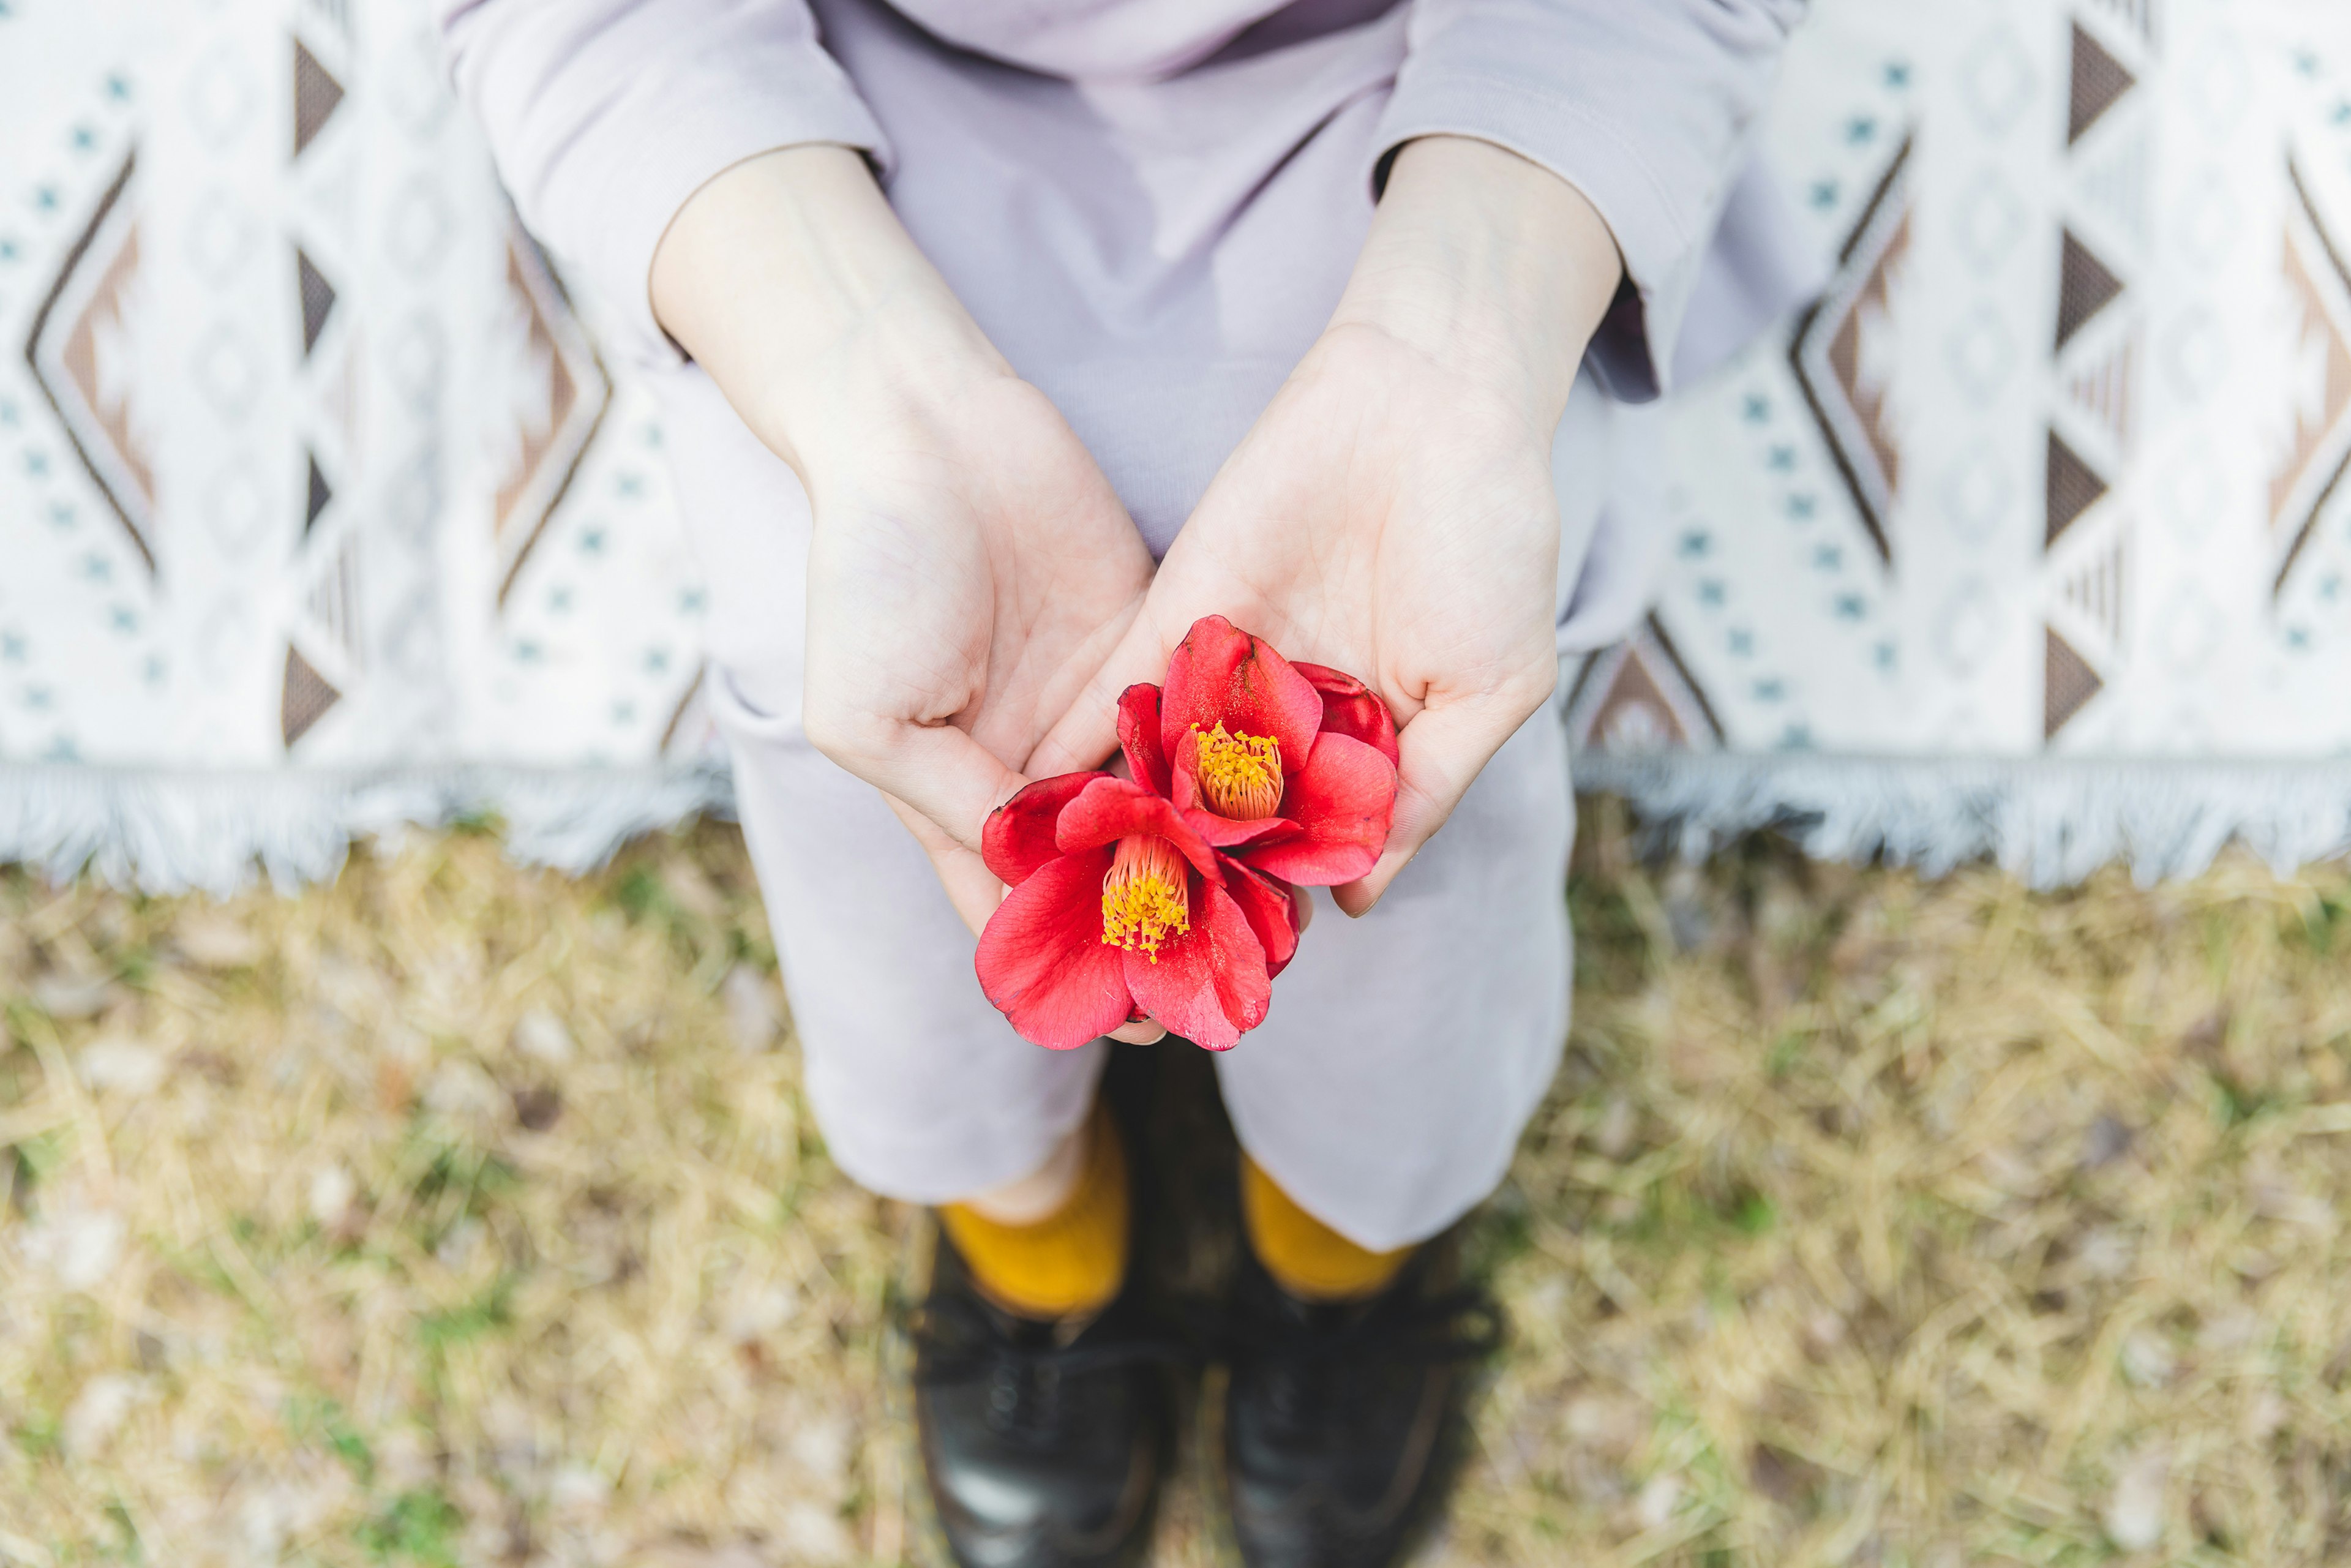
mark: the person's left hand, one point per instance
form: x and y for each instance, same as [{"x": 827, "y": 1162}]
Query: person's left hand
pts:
[{"x": 1390, "y": 514}]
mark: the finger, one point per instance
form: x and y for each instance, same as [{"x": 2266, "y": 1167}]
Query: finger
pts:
[
  {"x": 970, "y": 886},
  {"x": 1088, "y": 732},
  {"x": 1442, "y": 751},
  {"x": 937, "y": 770},
  {"x": 1148, "y": 1032}
]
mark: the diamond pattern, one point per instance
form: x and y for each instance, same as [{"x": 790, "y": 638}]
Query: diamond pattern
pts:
[
  {"x": 1844, "y": 349},
  {"x": 83, "y": 360},
  {"x": 2317, "y": 452}
]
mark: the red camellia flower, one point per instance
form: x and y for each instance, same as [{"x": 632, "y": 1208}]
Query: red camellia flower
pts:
[
  {"x": 1170, "y": 896},
  {"x": 1291, "y": 769}
]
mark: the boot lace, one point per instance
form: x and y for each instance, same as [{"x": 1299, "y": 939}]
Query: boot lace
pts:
[
  {"x": 1026, "y": 1367},
  {"x": 1313, "y": 1362}
]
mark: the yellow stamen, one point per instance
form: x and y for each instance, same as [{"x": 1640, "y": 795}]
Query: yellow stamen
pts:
[
  {"x": 1144, "y": 901},
  {"x": 1240, "y": 774}
]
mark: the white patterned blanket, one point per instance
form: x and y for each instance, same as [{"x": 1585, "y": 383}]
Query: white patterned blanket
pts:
[{"x": 320, "y": 510}]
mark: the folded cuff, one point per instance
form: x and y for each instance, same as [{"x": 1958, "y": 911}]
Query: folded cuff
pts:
[{"x": 630, "y": 168}]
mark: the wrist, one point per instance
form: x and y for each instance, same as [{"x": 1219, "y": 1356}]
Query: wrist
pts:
[
  {"x": 792, "y": 282},
  {"x": 1488, "y": 265}
]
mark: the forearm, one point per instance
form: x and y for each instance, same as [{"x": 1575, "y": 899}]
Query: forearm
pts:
[
  {"x": 1646, "y": 108},
  {"x": 1488, "y": 265},
  {"x": 795, "y": 286}
]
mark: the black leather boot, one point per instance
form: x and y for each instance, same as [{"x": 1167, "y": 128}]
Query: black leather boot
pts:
[
  {"x": 1342, "y": 1422},
  {"x": 1044, "y": 1442}
]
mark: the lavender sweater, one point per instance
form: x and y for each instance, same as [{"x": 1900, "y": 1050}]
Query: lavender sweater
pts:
[{"x": 1151, "y": 205}]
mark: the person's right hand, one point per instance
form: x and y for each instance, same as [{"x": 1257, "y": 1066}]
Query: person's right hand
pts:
[{"x": 970, "y": 568}]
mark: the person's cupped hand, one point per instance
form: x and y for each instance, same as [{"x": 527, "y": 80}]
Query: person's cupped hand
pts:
[
  {"x": 970, "y": 568},
  {"x": 969, "y": 565},
  {"x": 1392, "y": 514},
  {"x": 1388, "y": 517}
]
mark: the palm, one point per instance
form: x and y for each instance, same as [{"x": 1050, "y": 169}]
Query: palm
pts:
[
  {"x": 968, "y": 575},
  {"x": 1390, "y": 520}
]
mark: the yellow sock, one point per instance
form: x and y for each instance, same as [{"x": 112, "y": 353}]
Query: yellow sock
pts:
[
  {"x": 1071, "y": 1261},
  {"x": 1306, "y": 1257}
]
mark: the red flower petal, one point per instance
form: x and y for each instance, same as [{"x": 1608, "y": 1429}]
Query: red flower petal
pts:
[
  {"x": 1221, "y": 675},
  {"x": 1018, "y": 836},
  {"x": 1223, "y": 833},
  {"x": 1108, "y": 810},
  {"x": 1344, "y": 801},
  {"x": 1353, "y": 708},
  {"x": 1042, "y": 960},
  {"x": 1266, "y": 905},
  {"x": 1138, "y": 736},
  {"x": 1209, "y": 985},
  {"x": 1184, "y": 778}
]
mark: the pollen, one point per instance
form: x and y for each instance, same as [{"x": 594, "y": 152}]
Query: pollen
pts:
[
  {"x": 1240, "y": 774},
  {"x": 1144, "y": 901}
]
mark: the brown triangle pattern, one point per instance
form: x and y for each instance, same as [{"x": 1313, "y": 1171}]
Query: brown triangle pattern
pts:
[
  {"x": 2098, "y": 79},
  {"x": 2067, "y": 683},
  {"x": 1639, "y": 696},
  {"x": 1633, "y": 714},
  {"x": 319, "y": 494},
  {"x": 316, "y": 96},
  {"x": 2098, "y": 590},
  {"x": 2074, "y": 488},
  {"x": 2103, "y": 391},
  {"x": 306, "y": 698},
  {"x": 2084, "y": 288},
  {"x": 317, "y": 298}
]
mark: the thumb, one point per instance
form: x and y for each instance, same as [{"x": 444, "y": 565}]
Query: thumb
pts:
[{"x": 1441, "y": 752}]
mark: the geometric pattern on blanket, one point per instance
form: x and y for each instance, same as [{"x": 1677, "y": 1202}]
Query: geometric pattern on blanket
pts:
[
  {"x": 310, "y": 470},
  {"x": 2055, "y": 465},
  {"x": 307, "y": 461}
]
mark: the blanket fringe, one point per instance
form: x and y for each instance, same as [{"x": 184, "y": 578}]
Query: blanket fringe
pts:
[
  {"x": 163, "y": 831},
  {"x": 2050, "y": 821}
]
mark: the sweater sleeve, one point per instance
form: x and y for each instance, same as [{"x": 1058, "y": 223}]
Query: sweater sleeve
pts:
[
  {"x": 1644, "y": 106},
  {"x": 604, "y": 116}
]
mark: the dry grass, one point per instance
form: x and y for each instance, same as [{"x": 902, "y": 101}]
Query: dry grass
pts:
[{"x": 461, "y": 1214}]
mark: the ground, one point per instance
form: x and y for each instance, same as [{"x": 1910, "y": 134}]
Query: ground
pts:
[{"x": 461, "y": 1213}]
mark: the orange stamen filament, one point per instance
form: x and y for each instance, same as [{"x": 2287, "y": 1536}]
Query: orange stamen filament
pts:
[
  {"x": 1144, "y": 901},
  {"x": 1240, "y": 774}
]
